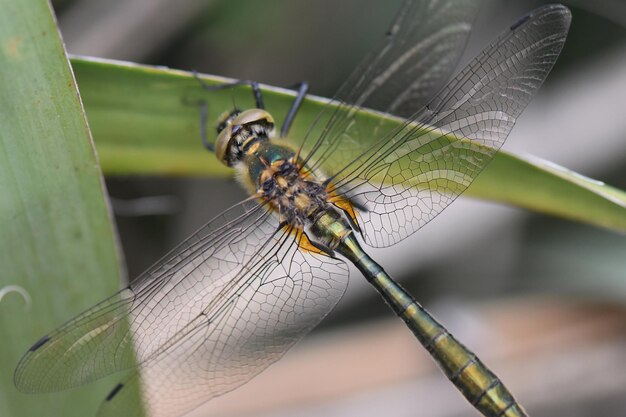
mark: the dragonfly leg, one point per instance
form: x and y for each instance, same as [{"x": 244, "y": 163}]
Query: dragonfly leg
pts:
[
  {"x": 302, "y": 88},
  {"x": 204, "y": 120},
  {"x": 256, "y": 91}
]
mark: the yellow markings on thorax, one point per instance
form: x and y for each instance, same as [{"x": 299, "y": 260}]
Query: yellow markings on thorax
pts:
[
  {"x": 343, "y": 204},
  {"x": 281, "y": 182},
  {"x": 253, "y": 148},
  {"x": 270, "y": 170},
  {"x": 302, "y": 201},
  {"x": 304, "y": 243}
]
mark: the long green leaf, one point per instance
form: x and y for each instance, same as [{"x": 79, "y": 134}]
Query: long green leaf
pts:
[
  {"x": 145, "y": 121},
  {"x": 57, "y": 241}
]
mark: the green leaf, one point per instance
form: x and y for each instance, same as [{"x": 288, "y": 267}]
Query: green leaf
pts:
[
  {"x": 145, "y": 121},
  {"x": 545, "y": 187},
  {"x": 57, "y": 241}
]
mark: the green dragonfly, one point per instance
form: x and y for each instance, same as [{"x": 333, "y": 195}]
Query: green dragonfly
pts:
[{"x": 236, "y": 295}]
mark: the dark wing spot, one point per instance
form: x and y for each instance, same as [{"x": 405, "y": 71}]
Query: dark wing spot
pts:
[
  {"x": 520, "y": 22},
  {"x": 114, "y": 392},
  {"x": 39, "y": 343}
]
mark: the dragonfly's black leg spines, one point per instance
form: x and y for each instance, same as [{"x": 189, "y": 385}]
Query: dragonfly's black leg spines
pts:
[
  {"x": 204, "y": 114},
  {"x": 303, "y": 89},
  {"x": 204, "y": 120},
  {"x": 256, "y": 90}
]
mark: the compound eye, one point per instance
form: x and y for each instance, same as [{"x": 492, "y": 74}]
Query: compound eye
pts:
[
  {"x": 254, "y": 116},
  {"x": 221, "y": 126},
  {"x": 226, "y": 119},
  {"x": 222, "y": 144}
]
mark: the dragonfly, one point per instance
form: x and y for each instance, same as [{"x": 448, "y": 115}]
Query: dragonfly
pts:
[{"x": 236, "y": 295}]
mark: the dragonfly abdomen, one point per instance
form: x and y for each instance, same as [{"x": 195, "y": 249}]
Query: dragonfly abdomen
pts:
[{"x": 479, "y": 385}]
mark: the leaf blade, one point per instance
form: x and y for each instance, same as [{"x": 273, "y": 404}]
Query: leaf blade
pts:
[
  {"x": 164, "y": 139},
  {"x": 57, "y": 240}
]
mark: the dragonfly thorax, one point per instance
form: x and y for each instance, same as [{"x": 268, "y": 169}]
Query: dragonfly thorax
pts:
[
  {"x": 238, "y": 131},
  {"x": 296, "y": 198}
]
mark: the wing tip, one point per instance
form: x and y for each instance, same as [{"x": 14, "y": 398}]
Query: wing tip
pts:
[
  {"x": 559, "y": 12},
  {"x": 21, "y": 381},
  {"x": 20, "y": 375}
]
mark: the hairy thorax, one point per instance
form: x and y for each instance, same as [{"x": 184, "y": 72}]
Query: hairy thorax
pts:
[
  {"x": 274, "y": 174},
  {"x": 299, "y": 198}
]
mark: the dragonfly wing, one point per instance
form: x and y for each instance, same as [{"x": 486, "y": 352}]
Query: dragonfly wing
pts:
[
  {"x": 418, "y": 55},
  {"x": 416, "y": 171},
  {"x": 250, "y": 325},
  {"x": 132, "y": 325},
  {"x": 422, "y": 48}
]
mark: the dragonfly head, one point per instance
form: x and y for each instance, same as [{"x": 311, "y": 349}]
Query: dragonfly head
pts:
[{"x": 238, "y": 129}]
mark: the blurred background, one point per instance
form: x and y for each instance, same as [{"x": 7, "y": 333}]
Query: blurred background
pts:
[{"x": 540, "y": 299}]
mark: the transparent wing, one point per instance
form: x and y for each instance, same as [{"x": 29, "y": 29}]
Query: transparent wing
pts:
[
  {"x": 422, "y": 48},
  {"x": 418, "y": 169},
  {"x": 250, "y": 326},
  {"x": 143, "y": 317},
  {"x": 418, "y": 55}
]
